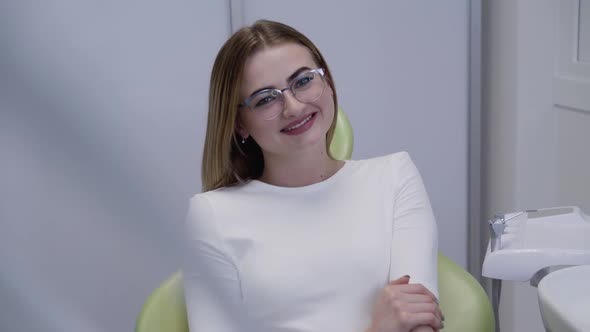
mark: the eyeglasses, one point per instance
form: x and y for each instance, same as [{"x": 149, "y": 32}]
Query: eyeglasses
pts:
[{"x": 307, "y": 87}]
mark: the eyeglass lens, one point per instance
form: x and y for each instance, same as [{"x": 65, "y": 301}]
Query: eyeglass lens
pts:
[{"x": 307, "y": 87}]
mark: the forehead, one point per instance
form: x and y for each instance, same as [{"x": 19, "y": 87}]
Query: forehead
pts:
[{"x": 271, "y": 66}]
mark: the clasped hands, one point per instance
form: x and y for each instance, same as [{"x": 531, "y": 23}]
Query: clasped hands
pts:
[{"x": 405, "y": 307}]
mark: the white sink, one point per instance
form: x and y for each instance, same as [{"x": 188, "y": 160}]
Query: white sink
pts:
[
  {"x": 530, "y": 241},
  {"x": 564, "y": 299}
]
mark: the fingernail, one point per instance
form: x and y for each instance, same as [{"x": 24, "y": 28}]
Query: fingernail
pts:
[
  {"x": 442, "y": 325},
  {"x": 406, "y": 276},
  {"x": 443, "y": 317}
]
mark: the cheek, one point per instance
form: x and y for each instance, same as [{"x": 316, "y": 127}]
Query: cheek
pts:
[
  {"x": 328, "y": 105},
  {"x": 258, "y": 129},
  {"x": 248, "y": 120},
  {"x": 329, "y": 96}
]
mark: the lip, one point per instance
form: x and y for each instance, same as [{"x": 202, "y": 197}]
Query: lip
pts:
[{"x": 291, "y": 124}]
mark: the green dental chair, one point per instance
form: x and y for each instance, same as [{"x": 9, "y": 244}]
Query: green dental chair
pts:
[{"x": 463, "y": 301}]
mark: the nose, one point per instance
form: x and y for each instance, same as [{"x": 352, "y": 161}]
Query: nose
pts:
[{"x": 292, "y": 106}]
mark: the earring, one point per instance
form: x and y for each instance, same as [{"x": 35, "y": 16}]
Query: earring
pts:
[{"x": 243, "y": 140}]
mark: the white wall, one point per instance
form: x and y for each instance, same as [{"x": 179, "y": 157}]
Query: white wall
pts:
[
  {"x": 534, "y": 153},
  {"x": 102, "y": 120}
]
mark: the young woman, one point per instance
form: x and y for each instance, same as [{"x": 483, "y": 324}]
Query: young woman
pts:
[{"x": 284, "y": 237}]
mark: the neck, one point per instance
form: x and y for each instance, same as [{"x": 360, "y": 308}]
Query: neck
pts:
[{"x": 297, "y": 170}]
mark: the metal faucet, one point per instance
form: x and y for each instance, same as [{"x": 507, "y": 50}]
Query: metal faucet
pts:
[{"x": 497, "y": 226}]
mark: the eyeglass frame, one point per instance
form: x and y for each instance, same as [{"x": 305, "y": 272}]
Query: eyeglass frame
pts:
[{"x": 319, "y": 71}]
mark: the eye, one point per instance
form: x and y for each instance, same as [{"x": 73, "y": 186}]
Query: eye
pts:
[
  {"x": 303, "y": 81},
  {"x": 264, "y": 100}
]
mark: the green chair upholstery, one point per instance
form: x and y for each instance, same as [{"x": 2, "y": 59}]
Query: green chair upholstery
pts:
[
  {"x": 463, "y": 301},
  {"x": 165, "y": 309},
  {"x": 343, "y": 140}
]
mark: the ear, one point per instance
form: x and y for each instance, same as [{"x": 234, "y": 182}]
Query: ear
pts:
[{"x": 239, "y": 128}]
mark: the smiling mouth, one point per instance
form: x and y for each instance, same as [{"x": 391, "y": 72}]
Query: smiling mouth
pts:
[{"x": 304, "y": 121}]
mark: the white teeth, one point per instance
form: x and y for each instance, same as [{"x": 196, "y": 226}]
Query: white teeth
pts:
[{"x": 299, "y": 124}]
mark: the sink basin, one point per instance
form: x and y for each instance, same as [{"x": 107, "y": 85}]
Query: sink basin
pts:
[
  {"x": 564, "y": 299},
  {"x": 532, "y": 240}
]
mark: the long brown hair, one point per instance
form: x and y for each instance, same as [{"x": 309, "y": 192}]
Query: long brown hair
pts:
[{"x": 226, "y": 161}]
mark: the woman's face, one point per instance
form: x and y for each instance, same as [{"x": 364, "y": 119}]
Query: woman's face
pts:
[{"x": 301, "y": 125}]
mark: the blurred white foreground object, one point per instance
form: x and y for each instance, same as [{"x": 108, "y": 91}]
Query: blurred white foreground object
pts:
[{"x": 564, "y": 299}]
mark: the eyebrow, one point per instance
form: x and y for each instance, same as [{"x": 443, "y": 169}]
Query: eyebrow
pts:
[{"x": 289, "y": 79}]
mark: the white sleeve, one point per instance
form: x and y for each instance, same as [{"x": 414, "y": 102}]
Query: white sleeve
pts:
[
  {"x": 211, "y": 280},
  {"x": 414, "y": 246}
]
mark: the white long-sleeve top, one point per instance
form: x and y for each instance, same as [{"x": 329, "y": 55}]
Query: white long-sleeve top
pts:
[{"x": 315, "y": 258}]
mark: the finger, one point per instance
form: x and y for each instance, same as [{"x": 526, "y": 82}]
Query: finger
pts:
[
  {"x": 442, "y": 316},
  {"x": 422, "y": 299},
  {"x": 416, "y": 298},
  {"x": 428, "y": 307},
  {"x": 422, "y": 307},
  {"x": 424, "y": 318},
  {"x": 400, "y": 281},
  {"x": 418, "y": 289}
]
